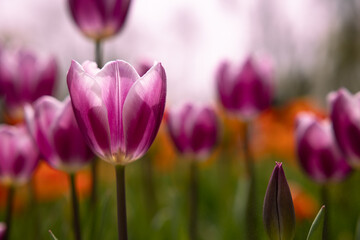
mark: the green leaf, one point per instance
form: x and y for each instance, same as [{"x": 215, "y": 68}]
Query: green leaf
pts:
[
  {"x": 316, "y": 229},
  {"x": 52, "y": 235}
]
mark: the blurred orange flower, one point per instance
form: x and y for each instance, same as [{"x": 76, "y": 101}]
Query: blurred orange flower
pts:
[{"x": 305, "y": 205}]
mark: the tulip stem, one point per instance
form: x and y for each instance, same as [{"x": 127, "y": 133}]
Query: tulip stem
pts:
[
  {"x": 325, "y": 201},
  {"x": 98, "y": 53},
  {"x": 9, "y": 210},
  {"x": 193, "y": 195},
  {"x": 251, "y": 208},
  {"x": 75, "y": 205},
  {"x": 93, "y": 198},
  {"x": 121, "y": 202}
]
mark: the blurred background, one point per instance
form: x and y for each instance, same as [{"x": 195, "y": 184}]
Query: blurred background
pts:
[{"x": 314, "y": 46}]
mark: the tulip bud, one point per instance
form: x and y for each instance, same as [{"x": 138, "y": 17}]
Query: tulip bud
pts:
[
  {"x": 278, "y": 212},
  {"x": 24, "y": 77},
  {"x": 193, "y": 129},
  {"x": 317, "y": 150},
  {"x": 245, "y": 91},
  {"x": 345, "y": 117},
  {"x": 118, "y": 112},
  {"x": 2, "y": 230},
  {"x": 99, "y": 19},
  {"x": 19, "y": 155}
]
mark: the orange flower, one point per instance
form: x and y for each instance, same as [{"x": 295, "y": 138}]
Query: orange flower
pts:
[
  {"x": 51, "y": 184},
  {"x": 305, "y": 205}
]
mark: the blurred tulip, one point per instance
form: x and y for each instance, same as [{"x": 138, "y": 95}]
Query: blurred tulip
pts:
[
  {"x": 345, "y": 117},
  {"x": 246, "y": 90},
  {"x": 317, "y": 150},
  {"x": 99, "y": 19},
  {"x": 19, "y": 155},
  {"x": 2, "y": 230},
  {"x": 193, "y": 129},
  {"x": 118, "y": 111},
  {"x": 24, "y": 77},
  {"x": 54, "y": 128},
  {"x": 278, "y": 212}
]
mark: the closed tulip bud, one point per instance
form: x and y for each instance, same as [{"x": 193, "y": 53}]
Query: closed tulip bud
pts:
[
  {"x": 19, "y": 155},
  {"x": 54, "y": 128},
  {"x": 345, "y": 117},
  {"x": 24, "y": 77},
  {"x": 118, "y": 112},
  {"x": 246, "y": 90},
  {"x": 99, "y": 19},
  {"x": 193, "y": 129},
  {"x": 278, "y": 212},
  {"x": 317, "y": 150}
]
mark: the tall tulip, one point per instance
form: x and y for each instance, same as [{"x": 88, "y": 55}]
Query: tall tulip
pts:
[
  {"x": 317, "y": 150},
  {"x": 278, "y": 212},
  {"x": 345, "y": 117},
  {"x": 54, "y": 128},
  {"x": 24, "y": 77},
  {"x": 194, "y": 131},
  {"x": 19, "y": 157},
  {"x": 245, "y": 91},
  {"x": 119, "y": 113}
]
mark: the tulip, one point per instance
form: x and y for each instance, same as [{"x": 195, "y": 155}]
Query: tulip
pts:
[
  {"x": 99, "y": 19},
  {"x": 143, "y": 67},
  {"x": 193, "y": 129},
  {"x": 345, "y": 117},
  {"x": 24, "y": 77},
  {"x": 2, "y": 231},
  {"x": 245, "y": 91},
  {"x": 119, "y": 113},
  {"x": 19, "y": 155},
  {"x": 55, "y": 130},
  {"x": 278, "y": 212},
  {"x": 317, "y": 150}
]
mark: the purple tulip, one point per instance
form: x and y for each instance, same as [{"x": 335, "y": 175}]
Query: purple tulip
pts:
[
  {"x": 2, "y": 230},
  {"x": 19, "y": 154},
  {"x": 193, "y": 129},
  {"x": 99, "y": 19},
  {"x": 118, "y": 111},
  {"x": 278, "y": 211},
  {"x": 54, "y": 128},
  {"x": 24, "y": 77},
  {"x": 345, "y": 117},
  {"x": 317, "y": 150},
  {"x": 246, "y": 90}
]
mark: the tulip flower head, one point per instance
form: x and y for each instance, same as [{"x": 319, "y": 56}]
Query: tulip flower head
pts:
[
  {"x": 99, "y": 19},
  {"x": 318, "y": 151},
  {"x": 118, "y": 112},
  {"x": 19, "y": 154},
  {"x": 54, "y": 128},
  {"x": 24, "y": 77},
  {"x": 193, "y": 129},
  {"x": 2, "y": 230},
  {"x": 345, "y": 118},
  {"x": 247, "y": 90},
  {"x": 278, "y": 212}
]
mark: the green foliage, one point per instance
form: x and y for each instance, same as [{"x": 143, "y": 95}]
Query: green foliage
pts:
[{"x": 316, "y": 229}]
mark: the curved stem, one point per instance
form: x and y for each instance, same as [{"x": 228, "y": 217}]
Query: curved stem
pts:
[
  {"x": 98, "y": 53},
  {"x": 325, "y": 201},
  {"x": 193, "y": 195},
  {"x": 9, "y": 210},
  {"x": 75, "y": 205},
  {"x": 121, "y": 202},
  {"x": 251, "y": 208}
]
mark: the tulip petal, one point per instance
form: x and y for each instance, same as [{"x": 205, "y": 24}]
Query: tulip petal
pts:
[
  {"x": 143, "y": 110},
  {"x": 89, "y": 109}
]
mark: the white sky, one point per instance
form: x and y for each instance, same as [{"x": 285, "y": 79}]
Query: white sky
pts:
[{"x": 189, "y": 37}]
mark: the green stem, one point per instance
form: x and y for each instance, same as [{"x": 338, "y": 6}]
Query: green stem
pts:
[
  {"x": 325, "y": 201},
  {"x": 34, "y": 209},
  {"x": 121, "y": 202},
  {"x": 193, "y": 198},
  {"x": 251, "y": 208},
  {"x": 98, "y": 53},
  {"x": 93, "y": 197},
  {"x": 75, "y": 205},
  {"x": 9, "y": 211}
]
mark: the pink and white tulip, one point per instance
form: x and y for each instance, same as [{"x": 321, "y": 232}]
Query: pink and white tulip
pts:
[
  {"x": 118, "y": 112},
  {"x": 54, "y": 128}
]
